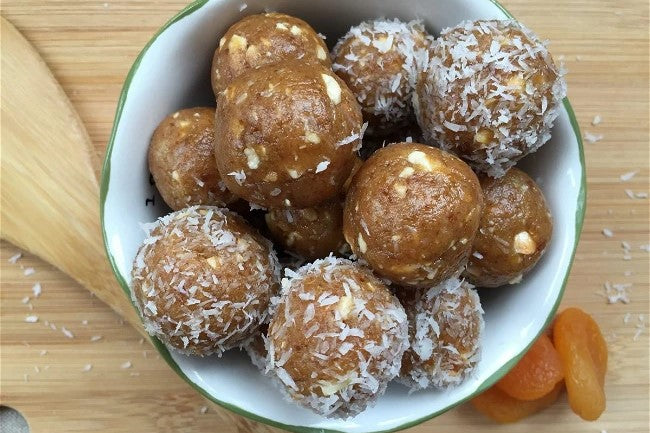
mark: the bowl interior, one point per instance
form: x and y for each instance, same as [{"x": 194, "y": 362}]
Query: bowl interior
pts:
[{"x": 173, "y": 71}]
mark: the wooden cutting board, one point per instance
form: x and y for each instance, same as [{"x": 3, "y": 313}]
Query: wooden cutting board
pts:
[{"x": 90, "y": 46}]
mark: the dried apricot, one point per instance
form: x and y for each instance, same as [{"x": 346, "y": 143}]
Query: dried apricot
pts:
[
  {"x": 583, "y": 353},
  {"x": 500, "y": 407},
  {"x": 535, "y": 374}
]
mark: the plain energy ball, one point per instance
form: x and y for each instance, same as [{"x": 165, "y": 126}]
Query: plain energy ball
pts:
[
  {"x": 202, "y": 280},
  {"x": 288, "y": 135},
  {"x": 515, "y": 230},
  {"x": 412, "y": 212},
  {"x": 380, "y": 60},
  {"x": 490, "y": 94},
  {"x": 264, "y": 39},
  {"x": 312, "y": 233},
  {"x": 445, "y": 328},
  {"x": 181, "y": 160},
  {"x": 337, "y": 337}
]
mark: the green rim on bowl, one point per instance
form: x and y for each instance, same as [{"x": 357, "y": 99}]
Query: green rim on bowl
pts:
[{"x": 164, "y": 352}]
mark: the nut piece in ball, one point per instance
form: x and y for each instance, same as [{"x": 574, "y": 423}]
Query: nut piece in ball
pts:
[
  {"x": 264, "y": 39},
  {"x": 288, "y": 135},
  {"x": 412, "y": 213},
  {"x": 515, "y": 229},
  {"x": 181, "y": 160},
  {"x": 202, "y": 280},
  {"x": 337, "y": 337},
  {"x": 312, "y": 233},
  {"x": 490, "y": 94},
  {"x": 445, "y": 327},
  {"x": 380, "y": 60}
]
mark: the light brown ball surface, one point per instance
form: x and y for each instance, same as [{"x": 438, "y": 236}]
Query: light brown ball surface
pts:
[
  {"x": 181, "y": 160},
  {"x": 516, "y": 227},
  {"x": 445, "y": 327},
  {"x": 202, "y": 280},
  {"x": 312, "y": 233},
  {"x": 264, "y": 39},
  {"x": 288, "y": 135},
  {"x": 337, "y": 337},
  {"x": 412, "y": 213},
  {"x": 490, "y": 94},
  {"x": 380, "y": 60}
]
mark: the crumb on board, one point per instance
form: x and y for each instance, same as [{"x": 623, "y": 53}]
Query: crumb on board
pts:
[
  {"x": 625, "y": 177},
  {"x": 84, "y": 322},
  {"x": 37, "y": 289},
  {"x": 14, "y": 259},
  {"x": 29, "y": 271},
  {"x": 43, "y": 352},
  {"x": 203, "y": 409},
  {"x": 31, "y": 319},
  {"x": 593, "y": 138},
  {"x": 67, "y": 332},
  {"x": 87, "y": 367},
  {"x": 95, "y": 338},
  {"x": 617, "y": 292},
  {"x": 597, "y": 120},
  {"x": 608, "y": 233},
  {"x": 126, "y": 365}
]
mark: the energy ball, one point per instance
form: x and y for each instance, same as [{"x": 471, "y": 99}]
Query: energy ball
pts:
[
  {"x": 202, "y": 280},
  {"x": 264, "y": 39},
  {"x": 288, "y": 135},
  {"x": 515, "y": 229},
  {"x": 181, "y": 160},
  {"x": 490, "y": 94},
  {"x": 337, "y": 337},
  {"x": 255, "y": 347},
  {"x": 412, "y": 213},
  {"x": 380, "y": 60},
  {"x": 312, "y": 233},
  {"x": 445, "y": 327}
]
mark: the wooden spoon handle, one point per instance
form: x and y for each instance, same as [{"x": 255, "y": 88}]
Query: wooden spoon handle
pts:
[{"x": 50, "y": 194}]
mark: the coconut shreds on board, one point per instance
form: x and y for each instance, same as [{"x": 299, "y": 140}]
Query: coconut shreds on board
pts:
[
  {"x": 36, "y": 289},
  {"x": 597, "y": 120},
  {"x": 203, "y": 410},
  {"x": 625, "y": 177},
  {"x": 66, "y": 332},
  {"x": 617, "y": 292},
  {"x": 43, "y": 352},
  {"x": 310, "y": 307},
  {"x": 95, "y": 338},
  {"x": 87, "y": 367},
  {"x": 29, "y": 271},
  {"x": 25, "y": 300},
  {"x": 608, "y": 233},
  {"x": 14, "y": 259},
  {"x": 593, "y": 138},
  {"x": 520, "y": 122},
  {"x": 125, "y": 365},
  {"x": 31, "y": 319}
]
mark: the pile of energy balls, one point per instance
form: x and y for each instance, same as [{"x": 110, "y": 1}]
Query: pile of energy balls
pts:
[{"x": 380, "y": 255}]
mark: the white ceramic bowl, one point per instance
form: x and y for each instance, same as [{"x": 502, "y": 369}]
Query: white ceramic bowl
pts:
[{"x": 172, "y": 72}]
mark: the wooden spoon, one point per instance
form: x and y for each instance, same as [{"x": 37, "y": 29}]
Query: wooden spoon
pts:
[{"x": 50, "y": 193}]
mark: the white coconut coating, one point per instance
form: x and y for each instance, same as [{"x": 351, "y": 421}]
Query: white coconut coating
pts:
[
  {"x": 445, "y": 329},
  {"x": 490, "y": 94},
  {"x": 380, "y": 60},
  {"x": 336, "y": 338},
  {"x": 202, "y": 280}
]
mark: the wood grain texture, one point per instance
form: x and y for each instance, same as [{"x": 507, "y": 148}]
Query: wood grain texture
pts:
[
  {"x": 90, "y": 45},
  {"x": 50, "y": 193}
]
